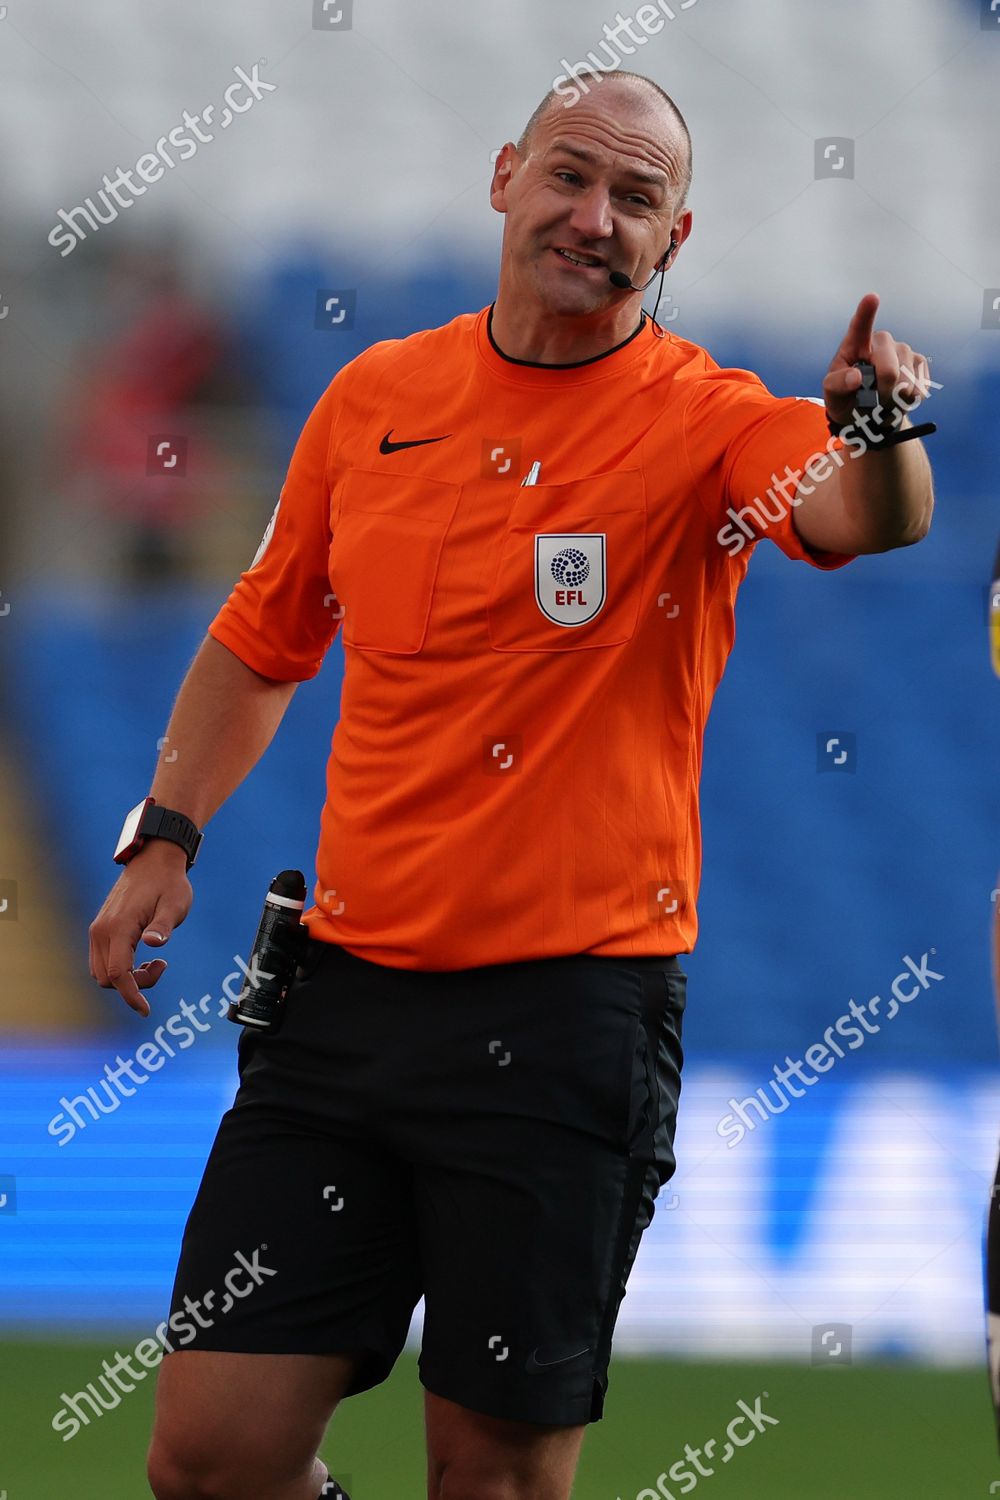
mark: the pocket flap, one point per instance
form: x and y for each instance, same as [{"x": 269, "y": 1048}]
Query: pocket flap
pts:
[{"x": 388, "y": 534}]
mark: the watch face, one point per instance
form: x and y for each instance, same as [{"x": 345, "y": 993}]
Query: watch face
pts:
[{"x": 130, "y": 828}]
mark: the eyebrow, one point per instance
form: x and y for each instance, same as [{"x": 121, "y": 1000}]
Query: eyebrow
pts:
[{"x": 654, "y": 179}]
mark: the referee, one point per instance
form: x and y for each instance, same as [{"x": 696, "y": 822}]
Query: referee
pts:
[{"x": 530, "y": 525}]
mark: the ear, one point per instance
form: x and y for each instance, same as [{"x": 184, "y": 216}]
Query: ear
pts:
[
  {"x": 680, "y": 232},
  {"x": 503, "y": 170}
]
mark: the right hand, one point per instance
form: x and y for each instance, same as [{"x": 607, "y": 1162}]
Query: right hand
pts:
[{"x": 151, "y": 897}]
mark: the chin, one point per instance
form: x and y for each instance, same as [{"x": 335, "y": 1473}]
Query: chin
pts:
[{"x": 570, "y": 301}]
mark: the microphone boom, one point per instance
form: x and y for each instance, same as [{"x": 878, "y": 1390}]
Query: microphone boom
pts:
[{"x": 625, "y": 284}]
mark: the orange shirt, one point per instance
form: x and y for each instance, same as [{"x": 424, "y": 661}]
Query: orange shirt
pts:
[{"x": 528, "y": 669}]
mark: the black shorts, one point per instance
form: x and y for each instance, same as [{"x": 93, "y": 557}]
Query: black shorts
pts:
[{"x": 492, "y": 1139}]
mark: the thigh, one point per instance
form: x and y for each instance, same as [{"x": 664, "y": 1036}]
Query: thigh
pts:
[
  {"x": 302, "y": 1238},
  {"x": 562, "y": 1107}
]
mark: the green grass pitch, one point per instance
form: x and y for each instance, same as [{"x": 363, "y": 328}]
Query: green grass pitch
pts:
[{"x": 884, "y": 1432}]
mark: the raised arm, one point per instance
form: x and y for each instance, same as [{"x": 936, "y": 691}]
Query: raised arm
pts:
[{"x": 877, "y": 500}]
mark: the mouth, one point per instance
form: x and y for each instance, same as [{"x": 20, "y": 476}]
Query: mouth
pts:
[{"x": 579, "y": 259}]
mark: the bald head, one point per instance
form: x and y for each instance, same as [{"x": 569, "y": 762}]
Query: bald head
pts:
[{"x": 643, "y": 90}]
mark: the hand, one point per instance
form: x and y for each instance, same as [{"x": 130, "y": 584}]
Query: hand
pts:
[
  {"x": 151, "y": 897},
  {"x": 902, "y": 376}
]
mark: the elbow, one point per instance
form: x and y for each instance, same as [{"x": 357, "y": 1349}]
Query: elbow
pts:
[
  {"x": 908, "y": 538},
  {"x": 914, "y": 530},
  {"x": 911, "y": 536},
  {"x": 920, "y": 527}
]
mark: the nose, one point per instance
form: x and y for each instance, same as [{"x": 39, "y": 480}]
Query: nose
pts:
[{"x": 591, "y": 217}]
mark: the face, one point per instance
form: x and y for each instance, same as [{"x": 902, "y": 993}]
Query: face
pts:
[{"x": 597, "y": 192}]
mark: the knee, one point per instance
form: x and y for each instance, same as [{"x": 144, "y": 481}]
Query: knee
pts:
[
  {"x": 176, "y": 1474},
  {"x": 171, "y": 1478},
  {"x": 202, "y": 1472}
]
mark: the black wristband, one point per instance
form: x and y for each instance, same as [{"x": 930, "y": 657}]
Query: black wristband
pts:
[
  {"x": 148, "y": 821},
  {"x": 164, "y": 823}
]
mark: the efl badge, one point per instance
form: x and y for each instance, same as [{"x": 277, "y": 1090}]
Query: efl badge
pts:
[{"x": 570, "y": 585}]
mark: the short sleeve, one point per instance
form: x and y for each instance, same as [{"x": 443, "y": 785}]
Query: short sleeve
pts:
[
  {"x": 281, "y": 616},
  {"x": 749, "y": 450}
]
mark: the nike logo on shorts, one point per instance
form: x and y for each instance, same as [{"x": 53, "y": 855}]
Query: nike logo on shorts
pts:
[{"x": 534, "y": 1362}]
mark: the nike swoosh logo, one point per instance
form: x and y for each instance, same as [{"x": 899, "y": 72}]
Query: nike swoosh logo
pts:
[
  {"x": 385, "y": 446},
  {"x": 533, "y": 1364}
]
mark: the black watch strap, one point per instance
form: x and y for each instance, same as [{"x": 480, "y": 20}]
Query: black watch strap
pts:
[{"x": 164, "y": 823}]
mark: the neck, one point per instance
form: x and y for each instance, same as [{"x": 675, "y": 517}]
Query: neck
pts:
[{"x": 522, "y": 329}]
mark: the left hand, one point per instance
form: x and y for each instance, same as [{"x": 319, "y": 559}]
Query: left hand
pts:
[{"x": 898, "y": 368}]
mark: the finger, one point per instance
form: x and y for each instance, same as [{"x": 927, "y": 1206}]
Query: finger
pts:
[
  {"x": 100, "y": 942},
  {"x": 922, "y": 375},
  {"x": 914, "y": 378},
  {"x": 166, "y": 916},
  {"x": 120, "y": 953},
  {"x": 126, "y": 986},
  {"x": 96, "y": 959},
  {"x": 143, "y": 978},
  {"x": 856, "y": 343},
  {"x": 839, "y": 389},
  {"x": 159, "y": 928},
  {"x": 149, "y": 972},
  {"x": 885, "y": 358},
  {"x": 120, "y": 961}
]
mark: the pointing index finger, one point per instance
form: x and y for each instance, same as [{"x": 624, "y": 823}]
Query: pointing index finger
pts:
[{"x": 858, "y": 338}]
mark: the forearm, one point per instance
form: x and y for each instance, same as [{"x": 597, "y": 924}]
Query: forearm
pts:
[
  {"x": 873, "y": 500},
  {"x": 888, "y": 498},
  {"x": 223, "y": 720},
  {"x": 866, "y": 502}
]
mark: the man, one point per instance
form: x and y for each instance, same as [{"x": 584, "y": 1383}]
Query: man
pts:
[{"x": 520, "y": 522}]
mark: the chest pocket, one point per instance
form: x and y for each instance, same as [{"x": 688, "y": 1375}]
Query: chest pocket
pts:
[
  {"x": 388, "y": 533},
  {"x": 570, "y": 568}
]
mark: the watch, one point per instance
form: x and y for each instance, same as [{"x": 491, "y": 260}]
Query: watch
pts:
[{"x": 148, "y": 821}]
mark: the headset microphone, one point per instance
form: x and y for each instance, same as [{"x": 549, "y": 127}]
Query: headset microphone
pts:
[{"x": 625, "y": 284}]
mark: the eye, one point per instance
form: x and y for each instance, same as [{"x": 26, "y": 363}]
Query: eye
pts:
[
  {"x": 567, "y": 173},
  {"x": 638, "y": 198}
]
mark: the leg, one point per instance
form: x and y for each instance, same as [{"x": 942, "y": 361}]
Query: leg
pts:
[
  {"x": 297, "y": 1276},
  {"x": 474, "y": 1457},
  {"x": 534, "y": 1188},
  {"x": 234, "y": 1426},
  {"x": 993, "y": 1298}
]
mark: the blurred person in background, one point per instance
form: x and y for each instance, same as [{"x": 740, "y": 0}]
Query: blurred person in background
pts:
[
  {"x": 480, "y": 1054},
  {"x": 135, "y": 448}
]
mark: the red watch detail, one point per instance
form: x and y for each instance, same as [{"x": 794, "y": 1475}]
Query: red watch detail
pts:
[{"x": 130, "y": 840}]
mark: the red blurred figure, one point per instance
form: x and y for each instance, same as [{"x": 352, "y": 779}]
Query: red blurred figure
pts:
[{"x": 138, "y": 448}]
